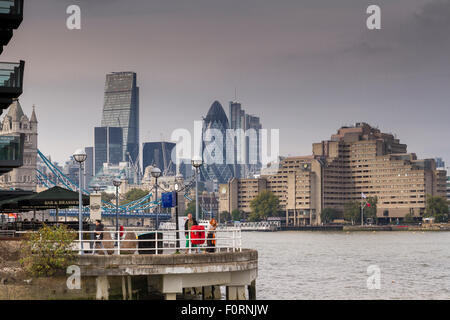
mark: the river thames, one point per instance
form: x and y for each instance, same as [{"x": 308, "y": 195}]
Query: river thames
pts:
[{"x": 333, "y": 265}]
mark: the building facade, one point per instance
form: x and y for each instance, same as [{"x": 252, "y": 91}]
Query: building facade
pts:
[
  {"x": 159, "y": 154},
  {"x": 108, "y": 142},
  {"x": 356, "y": 160},
  {"x": 16, "y": 123},
  {"x": 121, "y": 109},
  {"x": 11, "y": 86},
  {"x": 215, "y": 166},
  {"x": 247, "y": 157},
  {"x": 88, "y": 167}
]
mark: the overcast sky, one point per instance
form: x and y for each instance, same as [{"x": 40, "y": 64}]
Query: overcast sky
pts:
[{"x": 306, "y": 67}]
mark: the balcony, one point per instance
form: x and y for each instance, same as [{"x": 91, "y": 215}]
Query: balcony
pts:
[
  {"x": 11, "y": 82},
  {"x": 11, "y": 16},
  {"x": 11, "y": 152}
]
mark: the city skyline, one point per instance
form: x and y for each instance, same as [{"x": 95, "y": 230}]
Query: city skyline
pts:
[{"x": 349, "y": 75}]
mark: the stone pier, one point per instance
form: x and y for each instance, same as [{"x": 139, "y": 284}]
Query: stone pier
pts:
[{"x": 175, "y": 274}]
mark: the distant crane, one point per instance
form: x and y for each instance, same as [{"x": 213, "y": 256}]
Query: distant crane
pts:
[{"x": 136, "y": 168}]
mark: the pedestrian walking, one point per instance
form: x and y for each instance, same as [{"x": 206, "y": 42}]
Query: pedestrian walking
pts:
[{"x": 99, "y": 228}]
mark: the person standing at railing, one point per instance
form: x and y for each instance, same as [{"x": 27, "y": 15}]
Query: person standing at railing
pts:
[
  {"x": 211, "y": 237},
  {"x": 121, "y": 233},
  {"x": 187, "y": 228},
  {"x": 99, "y": 229}
]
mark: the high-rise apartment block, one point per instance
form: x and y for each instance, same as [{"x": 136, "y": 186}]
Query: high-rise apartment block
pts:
[
  {"x": 15, "y": 124},
  {"x": 358, "y": 159}
]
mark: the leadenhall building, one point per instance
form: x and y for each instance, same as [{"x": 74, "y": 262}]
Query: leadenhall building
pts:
[{"x": 358, "y": 159}]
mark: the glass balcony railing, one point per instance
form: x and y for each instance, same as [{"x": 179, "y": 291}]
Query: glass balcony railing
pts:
[
  {"x": 11, "y": 76},
  {"x": 11, "y": 151},
  {"x": 11, "y": 7},
  {"x": 11, "y": 14}
]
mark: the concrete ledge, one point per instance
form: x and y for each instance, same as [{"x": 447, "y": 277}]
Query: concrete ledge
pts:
[{"x": 115, "y": 265}]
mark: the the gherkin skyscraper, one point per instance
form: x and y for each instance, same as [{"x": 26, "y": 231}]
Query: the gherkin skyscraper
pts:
[{"x": 215, "y": 152}]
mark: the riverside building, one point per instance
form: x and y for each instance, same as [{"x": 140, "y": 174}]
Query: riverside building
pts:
[{"x": 358, "y": 159}]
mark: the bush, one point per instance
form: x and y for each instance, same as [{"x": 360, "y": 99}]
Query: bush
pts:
[{"x": 48, "y": 251}]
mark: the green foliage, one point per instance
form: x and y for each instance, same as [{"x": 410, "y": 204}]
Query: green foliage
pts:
[
  {"x": 371, "y": 212},
  {"x": 437, "y": 207},
  {"x": 265, "y": 205},
  {"x": 48, "y": 250},
  {"x": 191, "y": 209},
  {"x": 409, "y": 218},
  {"x": 108, "y": 197},
  {"x": 352, "y": 212},
  {"x": 225, "y": 216},
  {"x": 236, "y": 215},
  {"x": 133, "y": 194},
  {"x": 328, "y": 215}
]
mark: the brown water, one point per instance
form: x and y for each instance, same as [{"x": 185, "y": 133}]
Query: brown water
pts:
[{"x": 333, "y": 265}]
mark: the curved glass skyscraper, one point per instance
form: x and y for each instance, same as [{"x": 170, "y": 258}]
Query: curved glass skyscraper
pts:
[{"x": 215, "y": 151}]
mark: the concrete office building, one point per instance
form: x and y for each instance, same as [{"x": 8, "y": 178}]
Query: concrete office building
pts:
[{"x": 356, "y": 160}]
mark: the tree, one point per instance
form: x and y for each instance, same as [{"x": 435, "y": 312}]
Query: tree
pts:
[
  {"x": 370, "y": 211},
  {"x": 108, "y": 197},
  {"x": 236, "y": 215},
  {"x": 49, "y": 250},
  {"x": 266, "y": 204},
  {"x": 437, "y": 207},
  {"x": 191, "y": 209},
  {"x": 352, "y": 212},
  {"x": 328, "y": 215},
  {"x": 133, "y": 195},
  {"x": 224, "y": 216},
  {"x": 409, "y": 218}
]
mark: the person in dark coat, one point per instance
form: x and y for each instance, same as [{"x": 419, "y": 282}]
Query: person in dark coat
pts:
[
  {"x": 99, "y": 228},
  {"x": 187, "y": 227}
]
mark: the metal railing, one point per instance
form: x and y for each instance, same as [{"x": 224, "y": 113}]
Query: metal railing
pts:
[
  {"x": 150, "y": 241},
  {"x": 258, "y": 226}
]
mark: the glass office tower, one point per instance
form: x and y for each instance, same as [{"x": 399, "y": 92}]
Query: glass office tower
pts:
[
  {"x": 159, "y": 154},
  {"x": 121, "y": 109},
  {"x": 108, "y": 146}
]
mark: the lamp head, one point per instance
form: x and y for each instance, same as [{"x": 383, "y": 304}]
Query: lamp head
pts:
[
  {"x": 197, "y": 162},
  {"x": 117, "y": 182},
  {"x": 155, "y": 172},
  {"x": 80, "y": 156}
]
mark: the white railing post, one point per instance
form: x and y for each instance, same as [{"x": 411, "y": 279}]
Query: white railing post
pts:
[
  {"x": 189, "y": 241},
  {"x": 156, "y": 239},
  {"x": 118, "y": 241}
]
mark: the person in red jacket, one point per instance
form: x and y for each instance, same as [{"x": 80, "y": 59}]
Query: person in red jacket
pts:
[{"x": 187, "y": 227}]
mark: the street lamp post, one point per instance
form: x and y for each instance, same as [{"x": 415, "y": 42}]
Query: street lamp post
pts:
[
  {"x": 80, "y": 156},
  {"x": 156, "y": 173},
  {"x": 196, "y": 163},
  {"x": 117, "y": 183},
  {"x": 177, "y": 226}
]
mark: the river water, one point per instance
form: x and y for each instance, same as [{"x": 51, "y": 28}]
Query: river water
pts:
[{"x": 334, "y": 265}]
